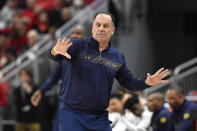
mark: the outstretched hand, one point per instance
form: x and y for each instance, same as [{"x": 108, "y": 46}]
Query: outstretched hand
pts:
[
  {"x": 61, "y": 48},
  {"x": 156, "y": 78}
]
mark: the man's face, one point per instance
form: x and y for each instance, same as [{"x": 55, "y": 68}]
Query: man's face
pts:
[
  {"x": 77, "y": 33},
  {"x": 115, "y": 105},
  {"x": 103, "y": 28},
  {"x": 25, "y": 77},
  {"x": 173, "y": 98},
  {"x": 152, "y": 103}
]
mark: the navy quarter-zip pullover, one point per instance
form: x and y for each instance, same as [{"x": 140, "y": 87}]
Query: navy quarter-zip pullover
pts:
[
  {"x": 88, "y": 82},
  {"x": 161, "y": 120},
  {"x": 182, "y": 118}
]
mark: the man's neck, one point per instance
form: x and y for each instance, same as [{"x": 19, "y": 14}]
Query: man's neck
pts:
[{"x": 103, "y": 46}]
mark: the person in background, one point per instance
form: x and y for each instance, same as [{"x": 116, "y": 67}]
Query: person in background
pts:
[
  {"x": 77, "y": 32},
  {"x": 161, "y": 119},
  {"x": 182, "y": 108},
  {"x": 137, "y": 117},
  {"x": 27, "y": 115},
  {"x": 32, "y": 38}
]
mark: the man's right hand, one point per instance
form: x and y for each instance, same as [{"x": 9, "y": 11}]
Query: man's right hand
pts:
[
  {"x": 36, "y": 97},
  {"x": 61, "y": 48}
]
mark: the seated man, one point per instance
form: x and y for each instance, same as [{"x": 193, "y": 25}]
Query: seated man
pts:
[
  {"x": 161, "y": 119},
  {"x": 181, "y": 109}
]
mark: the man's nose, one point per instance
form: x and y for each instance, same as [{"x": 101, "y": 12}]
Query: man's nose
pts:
[{"x": 101, "y": 28}]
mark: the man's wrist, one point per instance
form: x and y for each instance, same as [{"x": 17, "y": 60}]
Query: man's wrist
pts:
[
  {"x": 146, "y": 82},
  {"x": 53, "y": 52}
]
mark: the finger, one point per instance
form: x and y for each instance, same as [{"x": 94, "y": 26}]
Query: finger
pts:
[
  {"x": 164, "y": 75},
  {"x": 159, "y": 71},
  {"x": 163, "y": 72},
  {"x": 67, "y": 56},
  {"x": 148, "y": 74},
  {"x": 68, "y": 45},
  {"x": 67, "y": 41},
  {"x": 59, "y": 41},
  {"x": 164, "y": 81},
  {"x": 63, "y": 41}
]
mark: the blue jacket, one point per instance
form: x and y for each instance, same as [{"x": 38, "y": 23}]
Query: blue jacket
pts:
[
  {"x": 182, "y": 118},
  {"x": 161, "y": 120},
  {"x": 88, "y": 82}
]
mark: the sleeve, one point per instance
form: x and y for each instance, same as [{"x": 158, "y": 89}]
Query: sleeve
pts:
[
  {"x": 145, "y": 120},
  {"x": 128, "y": 80},
  {"x": 129, "y": 125},
  {"x": 72, "y": 50},
  {"x": 53, "y": 78}
]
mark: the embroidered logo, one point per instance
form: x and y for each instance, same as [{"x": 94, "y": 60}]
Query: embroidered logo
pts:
[
  {"x": 87, "y": 57},
  {"x": 186, "y": 116},
  {"x": 163, "y": 119}
]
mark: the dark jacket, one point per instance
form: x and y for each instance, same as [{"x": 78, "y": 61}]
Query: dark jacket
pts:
[
  {"x": 24, "y": 109},
  {"x": 182, "y": 117},
  {"x": 88, "y": 82}
]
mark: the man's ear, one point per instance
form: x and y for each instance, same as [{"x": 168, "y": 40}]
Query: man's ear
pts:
[{"x": 112, "y": 33}]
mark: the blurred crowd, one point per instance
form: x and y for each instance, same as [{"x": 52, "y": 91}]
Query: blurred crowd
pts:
[{"x": 23, "y": 22}]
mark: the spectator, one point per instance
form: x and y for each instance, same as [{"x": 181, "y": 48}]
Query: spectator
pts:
[
  {"x": 59, "y": 17},
  {"x": 26, "y": 114},
  {"x": 32, "y": 38},
  {"x": 7, "y": 13},
  {"x": 3, "y": 47},
  {"x": 78, "y": 5},
  {"x": 77, "y": 32},
  {"x": 182, "y": 108},
  {"x": 115, "y": 104},
  {"x": 17, "y": 33},
  {"x": 42, "y": 24},
  {"x": 65, "y": 16},
  {"x": 10, "y": 56},
  {"x": 137, "y": 117}
]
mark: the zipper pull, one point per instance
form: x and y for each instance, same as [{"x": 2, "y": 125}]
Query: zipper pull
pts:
[{"x": 100, "y": 57}]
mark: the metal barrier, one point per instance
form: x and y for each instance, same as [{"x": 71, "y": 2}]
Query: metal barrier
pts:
[{"x": 184, "y": 75}]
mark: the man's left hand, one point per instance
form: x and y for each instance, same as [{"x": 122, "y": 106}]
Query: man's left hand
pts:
[{"x": 156, "y": 79}]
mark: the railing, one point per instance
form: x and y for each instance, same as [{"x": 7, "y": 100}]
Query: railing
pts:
[{"x": 184, "y": 75}]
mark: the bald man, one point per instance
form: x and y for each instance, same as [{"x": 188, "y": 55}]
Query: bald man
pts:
[
  {"x": 181, "y": 109},
  {"x": 77, "y": 32},
  {"x": 161, "y": 119}
]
